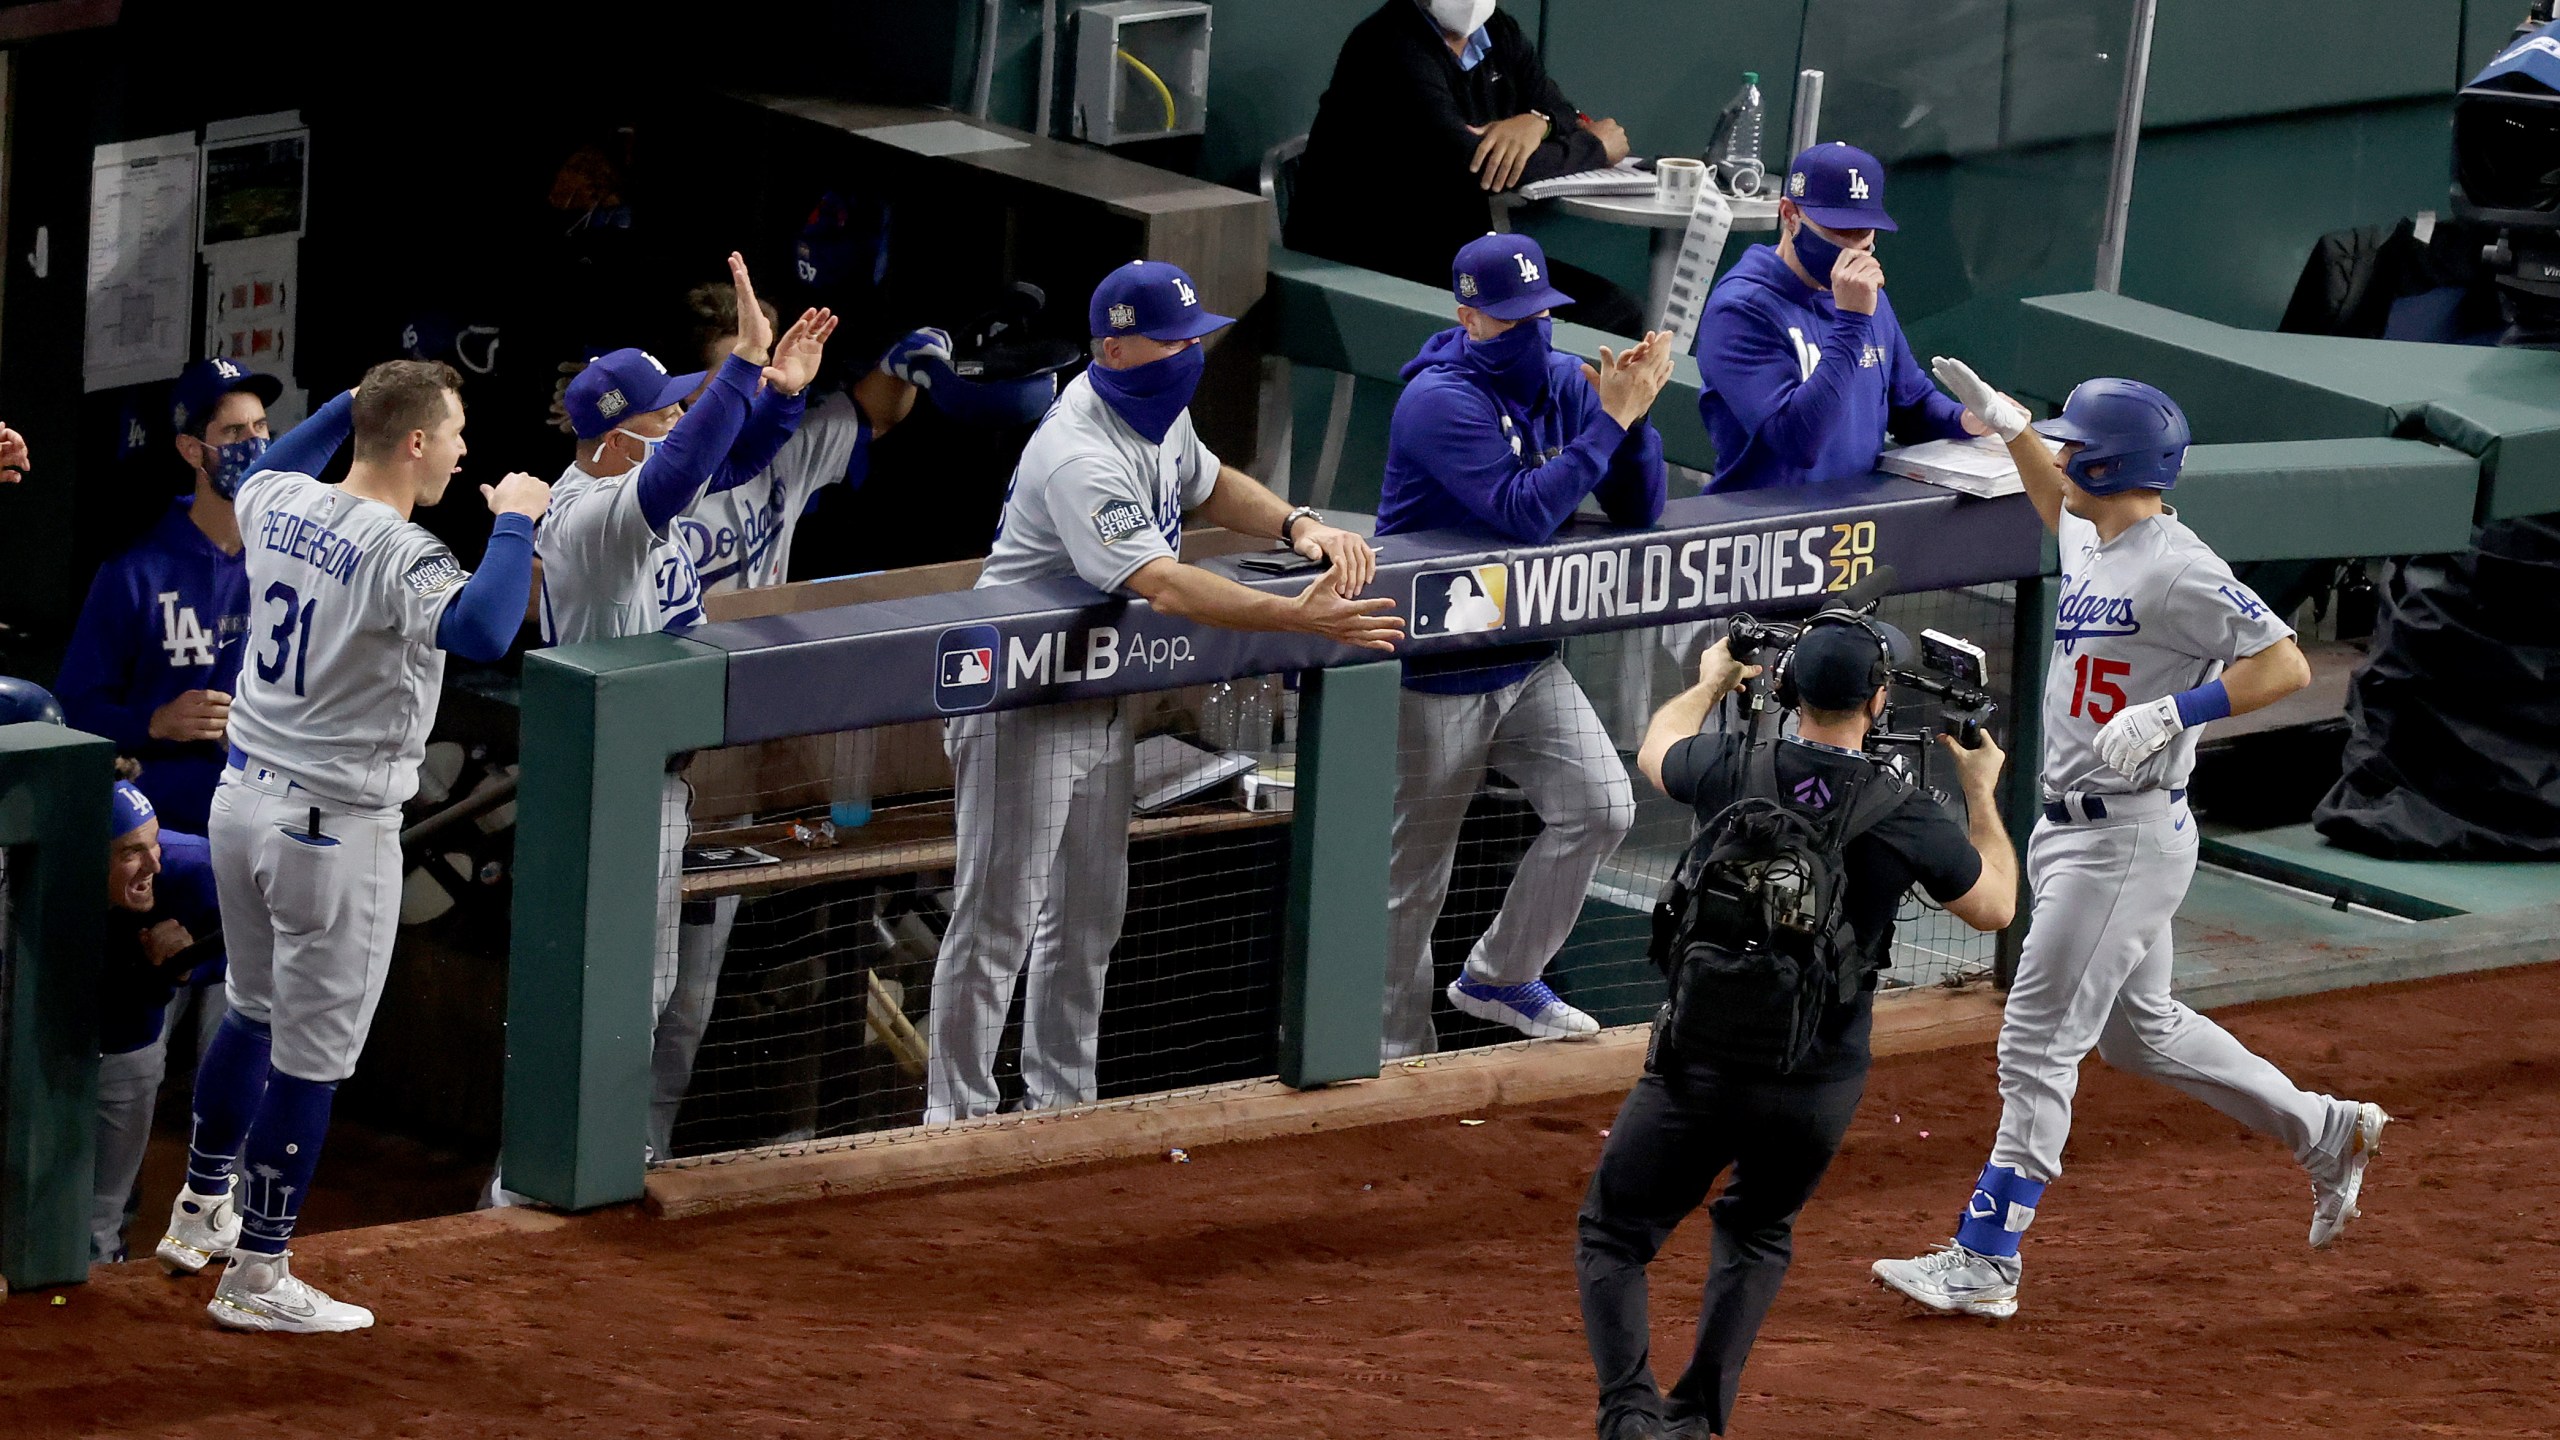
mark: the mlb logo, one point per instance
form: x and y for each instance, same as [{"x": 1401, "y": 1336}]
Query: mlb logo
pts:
[
  {"x": 1459, "y": 602},
  {"x": 966, "y": 668}
]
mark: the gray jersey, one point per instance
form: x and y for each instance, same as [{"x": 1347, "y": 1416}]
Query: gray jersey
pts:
[
  {"x": 1093, "y": 497},
  {"x": 340, "y": 684},
  {"x": 605, "y": 572},
  {"x": 2151, "y": 614},
  {"x": 740, "y": 538}
]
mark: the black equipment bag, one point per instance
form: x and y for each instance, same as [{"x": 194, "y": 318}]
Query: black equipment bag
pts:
[{"x": 1753, "y": 936}]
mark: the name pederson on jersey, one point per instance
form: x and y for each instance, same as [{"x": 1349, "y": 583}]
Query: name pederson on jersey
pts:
[
  {"x": 339, "y": 685},
  {"x": 1093, "y": 497},
  {"x": 2150, "y": 614}
]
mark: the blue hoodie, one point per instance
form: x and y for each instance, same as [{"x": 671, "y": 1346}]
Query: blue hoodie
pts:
[
  {"x": 1794, "y": 391},
  {"x": 1464, "y": 449}
]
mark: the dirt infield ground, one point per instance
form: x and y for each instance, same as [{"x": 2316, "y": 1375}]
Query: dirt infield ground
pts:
[{"x": 1416, "y": 1281}]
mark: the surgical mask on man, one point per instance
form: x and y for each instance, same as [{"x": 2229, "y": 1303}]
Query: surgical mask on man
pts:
[
  {"x": 1460, "y": 17},
  {"x": 648, "y": 445},
  {"x": 226, "y": 466}
]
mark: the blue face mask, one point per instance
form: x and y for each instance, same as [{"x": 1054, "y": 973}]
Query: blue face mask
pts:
[
  {"x": 1151, "y": 396},
  {"x": 226, "y": 466},
  {"x": 1817, "y": 253},
  {"x": 1517, "y": 358}
]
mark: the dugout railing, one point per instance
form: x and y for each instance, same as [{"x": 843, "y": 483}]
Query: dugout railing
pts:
[{"x": 603, "y": 724}]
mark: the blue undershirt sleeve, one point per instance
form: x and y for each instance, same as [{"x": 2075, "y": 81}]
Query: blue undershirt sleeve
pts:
[
  {"x": 307, "y": 448},
  {"x": 482, "y": 621}
]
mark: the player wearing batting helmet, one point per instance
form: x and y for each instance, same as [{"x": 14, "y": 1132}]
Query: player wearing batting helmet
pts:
[{"x": 2154, "y": 638}]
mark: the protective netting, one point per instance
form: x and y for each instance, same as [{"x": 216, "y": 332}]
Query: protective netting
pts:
[
  {"x": 886, "y": 931},
  {"x": 1018, "y": 911}
]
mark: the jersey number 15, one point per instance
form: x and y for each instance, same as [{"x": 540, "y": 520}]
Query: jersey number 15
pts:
[
  {"x": 296, "y": 618},
  {"x": 2094, "y": 692}
]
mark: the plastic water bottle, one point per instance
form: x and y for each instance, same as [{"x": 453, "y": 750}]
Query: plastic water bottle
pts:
[
  {"x": 849, "y": 786},
  {"x": 1734, "y": 150}
]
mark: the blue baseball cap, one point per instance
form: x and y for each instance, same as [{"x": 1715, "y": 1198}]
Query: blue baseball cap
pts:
[
  {"x": 1151, "y": 298},
  {"x": 616, "y": 386},
  {"x": 129, "y": 808},
  {"x": 1505, "y": 276},
  {"x": 1840, "y": 186},
  {"x": 202, "y": 385}
]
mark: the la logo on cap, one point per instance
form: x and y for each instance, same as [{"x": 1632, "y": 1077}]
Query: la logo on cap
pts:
[
  {"x": 226, "y": 369},
  {"x": 1123, "y": 316},
  {"x": 1182, "y": 288}
]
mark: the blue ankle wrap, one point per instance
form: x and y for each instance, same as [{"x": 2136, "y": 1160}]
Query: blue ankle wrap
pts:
[{"x": 2002, "y": 1207}]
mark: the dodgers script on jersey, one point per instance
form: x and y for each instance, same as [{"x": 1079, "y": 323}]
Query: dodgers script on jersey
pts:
[
  {"x": 740, "y": 538},
  {"x": 605, "y": 573},
  {"x": 1093, "y": 497},
  {"x": 339, "y": 686},
  {"x": 2154, "y": 613}
]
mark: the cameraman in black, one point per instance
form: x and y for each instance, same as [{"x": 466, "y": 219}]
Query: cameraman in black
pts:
[{"x": 1689, "y": 1118}]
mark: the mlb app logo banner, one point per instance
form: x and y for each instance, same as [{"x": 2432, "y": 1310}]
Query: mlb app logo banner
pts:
[
  {"x": 966, "y": 676},
  {"x": 1468, "y": 601}
]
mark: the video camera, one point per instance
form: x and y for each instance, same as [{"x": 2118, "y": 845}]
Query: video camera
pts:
[
  {"x": 2506, "y": 129},
  {"x": 1951, "y": 673}
]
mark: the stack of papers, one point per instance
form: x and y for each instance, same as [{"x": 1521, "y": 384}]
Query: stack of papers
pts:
[
  {"x": 1976, "y": 465},
  {"x": 1627, "y": 177},
  {"x": 1172, "y": 770}
]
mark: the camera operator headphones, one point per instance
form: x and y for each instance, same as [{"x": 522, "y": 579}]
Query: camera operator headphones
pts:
[{"x": 1879, "y": 670}]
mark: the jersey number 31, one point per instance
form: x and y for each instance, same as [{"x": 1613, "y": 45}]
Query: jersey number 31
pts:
[{"x": 296, "y": 618}]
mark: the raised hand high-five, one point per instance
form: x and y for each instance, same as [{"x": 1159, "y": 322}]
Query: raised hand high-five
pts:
[
  {"x": 755, "y": 332},
  {"x": 803, "y": 346}
]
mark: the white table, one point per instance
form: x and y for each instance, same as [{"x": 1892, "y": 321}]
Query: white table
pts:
[{"x": 1667, "y": 224}]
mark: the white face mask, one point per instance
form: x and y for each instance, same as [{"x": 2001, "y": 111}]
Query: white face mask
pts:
[
  {"x": 648, "y": 446},
  {"x": 1460, "y": 17}
]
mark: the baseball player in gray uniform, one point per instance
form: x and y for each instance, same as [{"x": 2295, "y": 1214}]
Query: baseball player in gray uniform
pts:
[
  {"x": 1043, "y": 792},
  {"x": 613, "y": 563},
  {"x": 2153, "y": 639},
  {"x": 353, "y": 609},
  {"x": 739, "y": 538}
]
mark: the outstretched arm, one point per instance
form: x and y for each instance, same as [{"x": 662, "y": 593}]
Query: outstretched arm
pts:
[
  {"x": 307, "y": 448},
  {"x": 482, "y": 620},
  {"x": 2008, "y": 419}
]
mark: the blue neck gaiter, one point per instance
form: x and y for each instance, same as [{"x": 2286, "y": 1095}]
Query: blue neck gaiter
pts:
[
  {"x": 1516, "y": 359},
  {"x": 1151, "y": 396}
]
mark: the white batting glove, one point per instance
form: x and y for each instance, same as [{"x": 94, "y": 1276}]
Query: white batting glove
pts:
[
  {"x": 2138, "y": 733},
  {"x": 2006, "y": 417}
]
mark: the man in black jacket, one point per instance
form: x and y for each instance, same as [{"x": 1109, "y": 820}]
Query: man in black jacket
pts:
[
  {"x": 1435, "y": 105},
  {"x": 1690, "y": 1116}
]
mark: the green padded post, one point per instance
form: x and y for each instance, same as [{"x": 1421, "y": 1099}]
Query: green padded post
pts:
[
  {"x": 1333, "y": 967},
  {"x": 2021, "y": 798},
  {"x": 601, "y": 722},
  {"x": 53, "y": 818}
]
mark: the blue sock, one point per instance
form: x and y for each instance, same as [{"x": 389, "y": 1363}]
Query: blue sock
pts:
[
  {"x": 2002, "y": 1207},
  {"x": 282, "y": 1151},
  {"x": 229, "y": 1080}
]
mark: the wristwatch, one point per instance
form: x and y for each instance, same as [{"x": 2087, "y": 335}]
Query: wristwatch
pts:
[
  {"x": 1289, "y": 526},
  {"x": 1549, "y": 120}
]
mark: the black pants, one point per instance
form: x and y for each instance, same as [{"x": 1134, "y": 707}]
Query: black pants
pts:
[{"x": 1672, "y": 1138}]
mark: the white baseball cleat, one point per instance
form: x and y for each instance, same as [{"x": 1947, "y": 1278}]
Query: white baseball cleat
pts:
[
  {"x": 261, "y": 1293},
  {"x": 1532, "y": 1009},
  {"x": 2333, "y": 1201},
  {"x": 202, "y": 1229},
  {"x": 1955, "y": 1281}
]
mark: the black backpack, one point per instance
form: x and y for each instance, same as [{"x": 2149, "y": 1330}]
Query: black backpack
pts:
[{"x": 1753, "y": 936}]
